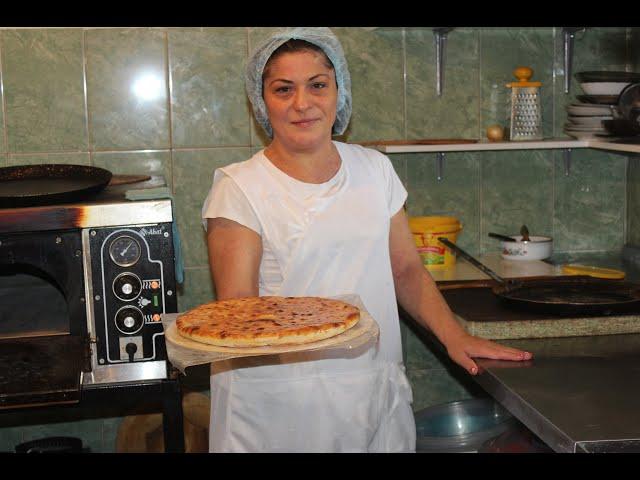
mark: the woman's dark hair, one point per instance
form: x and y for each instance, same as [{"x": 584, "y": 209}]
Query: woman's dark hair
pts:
[{"x": 295, "y": 45}]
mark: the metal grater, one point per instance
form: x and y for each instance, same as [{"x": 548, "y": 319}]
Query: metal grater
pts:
[{"x": 526, "y": 112}]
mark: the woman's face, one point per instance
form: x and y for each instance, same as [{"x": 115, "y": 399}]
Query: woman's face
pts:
[{"x": 301, "y": 95}]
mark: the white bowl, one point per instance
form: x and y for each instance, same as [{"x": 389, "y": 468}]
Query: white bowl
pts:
[
  {"x": 537, "y": 248},
  {"x": 603, "y": 88}
]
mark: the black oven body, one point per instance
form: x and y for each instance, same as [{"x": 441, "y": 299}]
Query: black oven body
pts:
[
  {"x": 83, "y": 289},
  {"x": 114, "y": 284}
]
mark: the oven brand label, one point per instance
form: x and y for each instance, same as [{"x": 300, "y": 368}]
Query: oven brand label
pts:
[{"x": 151, "y": 231}]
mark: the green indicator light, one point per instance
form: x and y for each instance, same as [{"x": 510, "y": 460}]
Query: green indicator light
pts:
[{"x": 155, "y": 300}]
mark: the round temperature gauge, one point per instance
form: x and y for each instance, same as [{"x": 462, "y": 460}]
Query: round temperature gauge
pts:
[{"x": 125, "y": 251}]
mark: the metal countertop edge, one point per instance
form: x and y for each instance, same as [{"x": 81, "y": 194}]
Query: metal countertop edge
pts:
[{"x": 523, "y": 411}]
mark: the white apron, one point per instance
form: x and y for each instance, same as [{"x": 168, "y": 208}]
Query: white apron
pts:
[{"x": 319, "y": 401}]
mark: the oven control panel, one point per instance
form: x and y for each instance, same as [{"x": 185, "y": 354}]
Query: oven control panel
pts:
[{"x": 133, "y": 285}]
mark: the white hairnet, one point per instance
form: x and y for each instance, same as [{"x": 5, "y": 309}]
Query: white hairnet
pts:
[{"x": 330, "y": 45}]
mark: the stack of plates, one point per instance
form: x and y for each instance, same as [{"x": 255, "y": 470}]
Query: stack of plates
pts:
[
  {"x": 586, "y": 120},
  {"x": 599, "y": 104}
]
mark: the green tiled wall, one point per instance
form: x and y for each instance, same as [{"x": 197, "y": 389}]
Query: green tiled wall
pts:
[
  {"x": 171, "y": 101},
  {"x": 633, "y": 186}
]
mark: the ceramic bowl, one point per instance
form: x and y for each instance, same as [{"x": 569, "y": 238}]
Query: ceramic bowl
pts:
[
  {"x": 605, "y": 76},
  {"x": 537, "y": 248},
  {"x": 603, "y": 88}
]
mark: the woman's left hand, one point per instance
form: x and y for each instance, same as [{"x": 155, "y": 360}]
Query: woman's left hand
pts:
[{"x": 465, "y": 347}]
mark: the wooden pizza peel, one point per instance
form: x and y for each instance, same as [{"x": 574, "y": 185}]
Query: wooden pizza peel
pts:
[{"x": 184, "y": 352}]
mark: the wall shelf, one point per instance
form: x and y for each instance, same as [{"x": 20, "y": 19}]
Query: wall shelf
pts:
[{"x": 551, "y": 144}]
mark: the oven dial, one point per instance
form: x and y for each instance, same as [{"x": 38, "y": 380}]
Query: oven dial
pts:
[
  {"x": 129, "y": 320},
  {"x": 125, "y": 251},
  {"x": 127, "y": 286}
]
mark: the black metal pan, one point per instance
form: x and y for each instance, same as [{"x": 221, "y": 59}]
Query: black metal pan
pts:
[
  {"x": 32, "y": 185},
  {"x": 579, "y": 295}
]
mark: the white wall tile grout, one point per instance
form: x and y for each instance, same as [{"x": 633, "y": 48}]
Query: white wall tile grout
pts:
[{"x": 169, "y": 91}]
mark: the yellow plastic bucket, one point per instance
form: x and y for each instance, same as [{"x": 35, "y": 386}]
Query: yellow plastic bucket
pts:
[{"x": 426, "y": 231}]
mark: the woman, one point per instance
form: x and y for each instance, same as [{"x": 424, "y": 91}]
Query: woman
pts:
[{"x": 311, "y": 216}]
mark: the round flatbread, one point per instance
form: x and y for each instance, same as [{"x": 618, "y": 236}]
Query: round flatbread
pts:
[{"x": 268, "y": 320}]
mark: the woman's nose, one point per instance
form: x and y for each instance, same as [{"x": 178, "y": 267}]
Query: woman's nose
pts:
[{"x": 301, "y": 101}]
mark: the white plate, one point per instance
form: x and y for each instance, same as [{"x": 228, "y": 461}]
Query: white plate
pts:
[
  {"x": 588, "y": 121},
  {"x": 587, "y": 110},
  {"x": 580, "y": 134},
  {"x": 585, "y": 128},
  {"x": 603, "y": 88}
]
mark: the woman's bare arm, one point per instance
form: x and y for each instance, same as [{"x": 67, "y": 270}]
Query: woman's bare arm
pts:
[
  {"x": 235, "y": 252},
  {"x": 419, "y": 296}
]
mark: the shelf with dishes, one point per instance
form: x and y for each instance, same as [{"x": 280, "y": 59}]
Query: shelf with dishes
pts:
[
  {"x": 548, "y": 144},
  {"x": 455, "y": 145},
  {"x": 608, "y": 109},
  {"x": 606, "y": 117},
  {"x": 440, "y": 148}
]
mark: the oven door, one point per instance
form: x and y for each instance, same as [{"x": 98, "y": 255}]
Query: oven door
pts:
[
  {"x": 43, "y": 339},
  {"x": 40, "y": 371}
]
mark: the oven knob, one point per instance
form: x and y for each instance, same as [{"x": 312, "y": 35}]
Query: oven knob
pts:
[
  {"x": 129, "y": 320},
  {"x": 127, "y": 286}
]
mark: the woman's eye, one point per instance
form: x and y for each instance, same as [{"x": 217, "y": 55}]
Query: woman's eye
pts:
[
  {"x": 319, "y": 85},
  {"x": 283, "y": 89}
]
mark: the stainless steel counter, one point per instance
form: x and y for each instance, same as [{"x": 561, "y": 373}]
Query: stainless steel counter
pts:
[{"x": 578, "y": 394}]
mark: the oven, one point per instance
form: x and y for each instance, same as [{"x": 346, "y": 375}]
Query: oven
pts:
[{"x": 83, "y": 288}]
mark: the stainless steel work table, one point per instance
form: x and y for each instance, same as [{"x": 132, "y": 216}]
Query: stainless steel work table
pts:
[{"x": 578, "y": 394}]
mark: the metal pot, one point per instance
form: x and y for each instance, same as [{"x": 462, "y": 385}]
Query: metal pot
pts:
[{"x": 538, "y": 247}]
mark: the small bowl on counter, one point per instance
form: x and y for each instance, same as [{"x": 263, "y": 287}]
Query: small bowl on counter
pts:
[{"x": 538, "y": 247}]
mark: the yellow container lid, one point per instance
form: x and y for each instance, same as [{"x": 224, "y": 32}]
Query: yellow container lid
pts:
[
  {"x": 433, "y": 224},
  {"x": 599, "y": 272}
]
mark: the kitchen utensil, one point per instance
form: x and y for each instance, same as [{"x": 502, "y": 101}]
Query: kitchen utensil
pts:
[
  {"x": 460, "y": 426},
  {"x": 604, "y": 76},
  {"x": 536, "y": 248},
  {"x": 515, "y": 248},
  {"x": 573, "y": 295},
  {"x": 598, "y": 272},
  {"x": 30, "y": 185},
  {"x": 127, "y": 179},
  {"x": 603, "y": 88},
  {"x": 502, "y": 237},
  {"x": 526, "y": 114},
  {"x": 629, "y": 103},
  {"x": 621, "y": 127},
  {"x": 524, "y": 231}
]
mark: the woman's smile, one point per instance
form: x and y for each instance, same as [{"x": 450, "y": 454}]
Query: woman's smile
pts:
[{"x": 306, "y": 123}]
